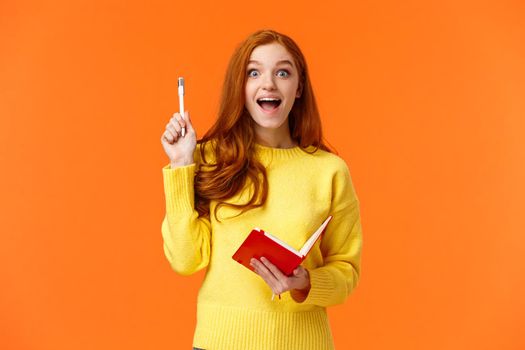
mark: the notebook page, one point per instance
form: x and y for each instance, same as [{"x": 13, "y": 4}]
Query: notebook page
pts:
[{"x": 308, "y": 245}]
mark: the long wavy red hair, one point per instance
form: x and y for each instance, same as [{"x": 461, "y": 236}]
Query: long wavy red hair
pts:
[{"x": 232, "y": 137}]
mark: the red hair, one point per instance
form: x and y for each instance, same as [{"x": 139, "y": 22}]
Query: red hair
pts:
[{"x": 233, "y": 133}]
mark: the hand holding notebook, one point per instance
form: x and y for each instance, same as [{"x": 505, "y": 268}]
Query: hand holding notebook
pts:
[{"x": 260, "y": 243}]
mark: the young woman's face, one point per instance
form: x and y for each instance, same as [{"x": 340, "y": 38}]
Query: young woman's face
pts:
[{"x": 272, "y": 85}]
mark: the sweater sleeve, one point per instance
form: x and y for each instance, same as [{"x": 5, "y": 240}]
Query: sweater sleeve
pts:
[
  {"x": 186, "y": 235},
  {"x": 340, "y": 246}
]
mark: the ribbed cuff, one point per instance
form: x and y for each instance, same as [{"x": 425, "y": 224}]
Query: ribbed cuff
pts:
[
  {"x": 178, "y": 188},
  {"x": 321, "y": 287}
]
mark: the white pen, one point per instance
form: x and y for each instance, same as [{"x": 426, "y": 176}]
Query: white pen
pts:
[{"x": 181, "y": 101}]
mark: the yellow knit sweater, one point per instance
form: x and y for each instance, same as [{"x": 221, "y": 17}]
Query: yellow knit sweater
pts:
[{"x": 234, "y": 308}]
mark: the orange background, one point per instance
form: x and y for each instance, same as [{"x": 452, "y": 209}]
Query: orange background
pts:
[{"x": 425, "y": 100}]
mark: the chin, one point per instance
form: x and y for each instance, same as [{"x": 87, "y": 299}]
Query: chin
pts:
[{"x": 270, "y": 124}]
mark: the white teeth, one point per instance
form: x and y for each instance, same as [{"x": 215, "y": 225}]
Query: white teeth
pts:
[{"x": 268, "y": 99}]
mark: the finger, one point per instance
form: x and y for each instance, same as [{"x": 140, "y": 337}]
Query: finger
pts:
[
  {"x": 278, "y": 284},
  {"x": 187, "y": 119},
  {"x": 187, "y": 116},
  {"x": 181, "y": 122},
  {"x": 299, "y": 271},
  {"x": 171, "y": 130},
  {"x": 174, "y": 127},
  {"x": 274, "y": 269},
  {"x": 168, "y": 136},
  {"x": 281, "y": 282},
  {"x": 259, "y": 267},
  {"x": 266, "y": 274},
  {"x": 300, "y": 279},
  {"x": 175, "y": 124}
]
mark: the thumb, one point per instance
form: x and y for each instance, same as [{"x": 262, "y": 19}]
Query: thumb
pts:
[
  {"x": 297, "y": 271},
  {"x": 187, "y": 119},
  {"x": 187, "y": 116}
]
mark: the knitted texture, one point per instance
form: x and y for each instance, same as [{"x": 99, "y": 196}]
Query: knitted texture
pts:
[{"x": 234, "y": 307}]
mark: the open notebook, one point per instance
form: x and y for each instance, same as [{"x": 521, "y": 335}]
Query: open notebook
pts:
[{"x": 260, "y": 243}]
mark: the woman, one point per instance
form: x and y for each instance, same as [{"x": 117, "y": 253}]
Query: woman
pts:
[{"x": 262, "y": 164}]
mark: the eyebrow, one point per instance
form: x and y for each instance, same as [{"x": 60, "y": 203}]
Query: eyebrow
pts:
[{"x": 279, "y": 62}]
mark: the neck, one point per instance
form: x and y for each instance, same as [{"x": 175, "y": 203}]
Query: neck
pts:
[{"x": 275, "y": 138}]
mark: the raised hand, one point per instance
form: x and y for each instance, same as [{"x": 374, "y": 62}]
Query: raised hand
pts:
[{"x": 178, "y": 148}]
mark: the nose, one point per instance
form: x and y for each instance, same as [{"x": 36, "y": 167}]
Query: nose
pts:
[{"x": 268, "y": 82}]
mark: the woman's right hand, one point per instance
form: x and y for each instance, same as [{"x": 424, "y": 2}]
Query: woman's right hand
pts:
[{"x": 179, "y": 148}]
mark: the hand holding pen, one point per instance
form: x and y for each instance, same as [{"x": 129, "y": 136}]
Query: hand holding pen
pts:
[{"x": 179, "y": 139}]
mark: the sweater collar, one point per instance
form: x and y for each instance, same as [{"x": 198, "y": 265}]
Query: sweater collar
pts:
[{"x": 266, "y": 152}]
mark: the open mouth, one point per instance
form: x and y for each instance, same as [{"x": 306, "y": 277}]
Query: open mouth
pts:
[{"x": 269, "y": 104}]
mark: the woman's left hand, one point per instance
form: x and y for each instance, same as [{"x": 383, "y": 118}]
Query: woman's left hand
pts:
[{"x": 279, "y": 282}]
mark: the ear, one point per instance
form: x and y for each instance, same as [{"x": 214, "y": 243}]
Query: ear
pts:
[{"x": 299, "y": 91}]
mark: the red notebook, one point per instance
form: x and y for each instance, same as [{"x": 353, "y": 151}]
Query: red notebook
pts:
[{"x": 260, "y": 243}]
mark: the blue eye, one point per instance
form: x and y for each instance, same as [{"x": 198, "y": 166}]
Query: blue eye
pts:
[
  {"x": 250, "y": 72},
  {"x": 284, "y": 71}
]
